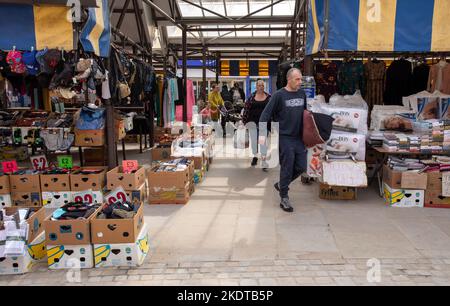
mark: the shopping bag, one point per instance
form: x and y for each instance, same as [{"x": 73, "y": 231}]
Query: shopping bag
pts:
[{"x": 241, "y": 139}]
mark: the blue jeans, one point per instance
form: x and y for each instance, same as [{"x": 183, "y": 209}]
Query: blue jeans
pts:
[{"x": 293, "y": 162}]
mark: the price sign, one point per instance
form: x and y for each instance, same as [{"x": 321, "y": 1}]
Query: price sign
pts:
[
  {"x": 9, "y": 166},
  {"x": 86, "y": 197},
  {"x": 117, "y": 195},
  {"x": 39, "y": 162},
  {"x": 65, "y": 162},
  {"x": 129, "y": 166}
]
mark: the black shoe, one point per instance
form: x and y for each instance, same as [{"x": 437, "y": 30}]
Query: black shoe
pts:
[
  {"x": 286, "y": 205},
  {"x": 277, "y": 186},
  {"x": 254, "y": 161}
]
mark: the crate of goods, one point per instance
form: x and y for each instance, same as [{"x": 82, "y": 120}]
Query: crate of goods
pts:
[
  {"x": 161, "y": 152},
  {"x": 129, "y": 181},
  {"x": 4, "y": 183},
  {"x": 88, "y": 178},
  {"x": 170, "y": 183},
  {"x": 434, "y": 197},
  {"x": 403, "y": 197},
  {"x": 327, "y": 192},
  {"x": 89, "y": 138},
  {"x": 55, "y": 180}
]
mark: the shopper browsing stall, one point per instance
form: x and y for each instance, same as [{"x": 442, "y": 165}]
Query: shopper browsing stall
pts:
[
  {"x": 254, "y": 107},
  {"x": 286, "y": 107}
]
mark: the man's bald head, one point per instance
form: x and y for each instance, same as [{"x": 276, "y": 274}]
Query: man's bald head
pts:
[{"x": 294, "y": 78}]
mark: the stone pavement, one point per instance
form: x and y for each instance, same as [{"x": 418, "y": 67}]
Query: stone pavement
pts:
[{"x": 232, "y": 232}]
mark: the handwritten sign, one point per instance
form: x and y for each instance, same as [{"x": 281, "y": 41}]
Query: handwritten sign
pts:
[
  {"x": 130, "y": 166},
  {"x": 86, "y": 197},
  {"x": 9, "y": 166},
  {"x": 39, "y": 162},
  {"x": 117, "y": 195},
  {"x": 65, "y": 162},
  {"x": 345, "y": 173}
]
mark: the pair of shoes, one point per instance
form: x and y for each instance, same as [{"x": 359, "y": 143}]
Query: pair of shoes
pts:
[
  {"x": 286, "y": 205},
  {"x": 254, "y": 161}
]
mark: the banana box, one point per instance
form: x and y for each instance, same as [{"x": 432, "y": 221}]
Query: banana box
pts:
[
  {"x": 123, "y": 255},
  {"x": 403, "y": 197},
  {"x": 34, "y": 254},
  {"x": 61, "y": 257},
  {"x": 56, "y": 199},
  {"x": 5, "y": 200}
]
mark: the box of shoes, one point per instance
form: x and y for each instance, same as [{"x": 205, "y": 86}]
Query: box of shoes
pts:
[
  {"x": 337, "y": 193},
  {"x": 169, "y": 179},
  {"x": 88, "y": 197},
  {"x": 200, "y": 162},
  {"x": 4, "y": 184},
  {"x": 25, "y": 181},
  {"x": 51, "y": 182},
  {"x": 5, "y": 200},
  {"x": 70, "y": 226},
  {"x": 403, "y": 197},
  {"x": 170, "y": 195},
  {"x": 128, "y": 181},
  {"x": 56, "y": 199},
  {"x": 392, "y": 178},
  {"x": 86, "y": 178},
  {"x": 35, "y": 220},
  {"x": 89, "y": 138},
  {"x": 26, "y": 199},
  {"x": 125, "y": 228},
  {"x": 35, "y": 252},
  {"x": 123, "y": 254},
  {"x": 70, "y": 256}
]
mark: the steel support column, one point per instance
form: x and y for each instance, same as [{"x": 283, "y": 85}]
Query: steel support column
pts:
[
  {"x": 184, "y": 41},
  {"x": 204, "y": 94}
]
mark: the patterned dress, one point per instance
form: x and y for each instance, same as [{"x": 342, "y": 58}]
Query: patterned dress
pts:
[
  {"x": 326, "y": 79},
  {"x": 375, "y": 73}
]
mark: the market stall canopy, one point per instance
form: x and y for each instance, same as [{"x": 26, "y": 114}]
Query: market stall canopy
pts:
[
  {"x": 375, "y": 25},
  {"x": 85, "y": 3},
  {"x": 26, "y": 26}
]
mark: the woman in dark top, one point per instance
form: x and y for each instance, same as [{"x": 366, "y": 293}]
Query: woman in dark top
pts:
[{"x": 254, "y": 107}]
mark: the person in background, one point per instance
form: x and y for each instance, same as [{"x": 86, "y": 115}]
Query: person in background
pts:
[
  {"x": 226, "y": 95},
  {"x": 216, "y": 101},
  {"x": 206, "y": 113},
  {"x": 237, "y": 93},
  {"x": 253, "y": 109},
  {"x": 286, "y": 107}
]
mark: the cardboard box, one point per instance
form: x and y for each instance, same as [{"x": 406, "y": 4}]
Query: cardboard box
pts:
[
  {"x": 70, "y": 256},
  {"x": 5, "y": 200},
  {"x": 111, "y": 231},
  {"x": 177, "y": 179},
  {"x": 199, "y": 161},
  {"x": 129, "y": 181},
  {"x": 170, "y": 195},
  {"x": 435, "y": 199},
  {"x": 403, "y": 198},
  {"x": 36, "y": 252},
  {"x": 337, "y": 193},
  {"x": 55, "y": 182},
  {"x": 35, "y": 221},
  {"x": 69, "y": 232},
  {"x": 25, "y": 183},
  {"x": 119, "y": 127},
  {"x": 56, "y": 199},
  {"x": 89, "y": 138},
  {"x": 96, "y": 157},
  {"x": 123, "y": 254},
  {"x": 4, "y": 184},
  {"x": 161, "y": 153},
  {"x": 392, "y": 178},
  {"x": 82, "y": 182},
  {"x": 26, "y": 199},
  {"x": 434, "y": 181},
  {"x": 414, "y": 180},
  {"x": 138, "y": 196}
]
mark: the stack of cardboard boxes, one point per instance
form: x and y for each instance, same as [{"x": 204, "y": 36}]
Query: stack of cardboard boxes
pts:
[
  {"x": 34, "y": 251},
  {"x": 26, "y": 188},
  {"x": 133, "y": 183},
  {"x": 434, "y": 195},
  {"x": 5, "y": 191}
]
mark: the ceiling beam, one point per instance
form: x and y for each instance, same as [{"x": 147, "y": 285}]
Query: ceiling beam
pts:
[
  {"x": 218, "y": 21},
  {"x": 245, "y": 29}
]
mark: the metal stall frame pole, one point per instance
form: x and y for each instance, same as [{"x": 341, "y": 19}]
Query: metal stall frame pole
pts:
[
  {"x": 309, "y": 59},
  {"x": 185, "y": 110},
  {"x": 217, "y": 67},
  {"x": 204, "y": 95},
  {"x": 110, "y": 128}
]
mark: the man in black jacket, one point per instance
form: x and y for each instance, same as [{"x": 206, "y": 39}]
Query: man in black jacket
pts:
[{"x": 286, "y": 107}]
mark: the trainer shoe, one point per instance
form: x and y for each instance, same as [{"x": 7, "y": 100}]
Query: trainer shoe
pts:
[{"x": 286, "y": 205}]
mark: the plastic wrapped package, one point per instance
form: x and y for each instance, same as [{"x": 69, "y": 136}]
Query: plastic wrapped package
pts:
[
  {"x": 382, "y": 114},
  {"x": 343, "y": 145}
]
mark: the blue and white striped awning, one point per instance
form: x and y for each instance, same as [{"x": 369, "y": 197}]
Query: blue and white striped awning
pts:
[{"x": 378, "y": 25}]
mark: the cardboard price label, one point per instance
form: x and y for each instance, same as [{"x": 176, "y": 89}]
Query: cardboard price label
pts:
[
  {"x": 117, "y": 195},
  {"x": 9, "y": 166},
  {"x": 130, "y": 166},
  {"x": 86, "y": 197},
  {"x": 39, "y": 162},
  {"x": 65, "y": 162}
]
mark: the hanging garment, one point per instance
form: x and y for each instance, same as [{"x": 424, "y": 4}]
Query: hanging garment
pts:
[
  {"x": 398, "y": 82},
  {"x": 326, "y": 79},
  {"x": 190, "y": 98},
  {"x": 375, "y": 73},
  {"x": 351, "y": 78},
  {"x": 439, "y": 78},
  {"x": 420, "y": 78}
]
